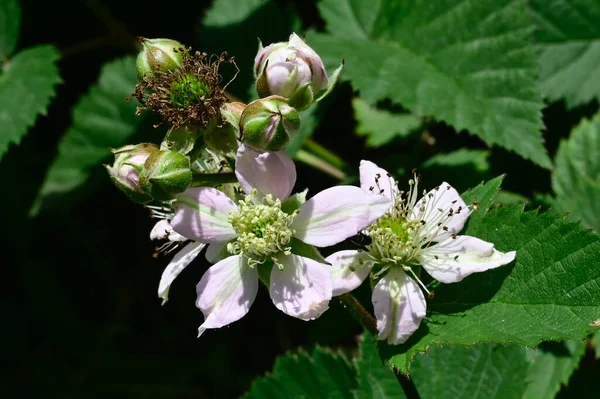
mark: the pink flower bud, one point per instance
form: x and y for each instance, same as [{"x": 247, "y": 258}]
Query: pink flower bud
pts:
[
  {"x": 291, "y": 70},
  {"x": 125, "y": 171}
]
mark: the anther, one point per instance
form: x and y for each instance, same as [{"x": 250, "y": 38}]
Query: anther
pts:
[
  {"x": 454, "y": 236},
  {"x": 456, "y": 257}
]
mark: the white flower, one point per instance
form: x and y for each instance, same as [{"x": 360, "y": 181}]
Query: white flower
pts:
[
  {"x": 262, "y": 228},
  {"x": 410, "y": 234},
  {"x": 163, "y": 230}
]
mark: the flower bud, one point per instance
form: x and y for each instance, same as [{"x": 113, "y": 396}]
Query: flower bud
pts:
[
  {"x": 269, "y": 123},
  {"x": 159, "y": 55},
  {"x": 125, "y": 171},
  {"x": 291, "y": 70},
  {"x": 166, "y": 174},
  {"x": 224, "y": 137}
]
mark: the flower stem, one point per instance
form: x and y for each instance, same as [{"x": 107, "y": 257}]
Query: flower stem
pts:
[
  {"x": 318, "y": 163},
  {"x": 368, "y": 321},
  {"x": 212, "y": 179},
  {"x": 325, "y": 154},
  {"x": 359, "y": 312}
]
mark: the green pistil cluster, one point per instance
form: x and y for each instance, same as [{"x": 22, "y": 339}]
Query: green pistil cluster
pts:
[
  {"x": 187, "y": 90},
  {"x": 393, "y": 239},
  {"x": 262, "y": 228},
  {"x": 187, "y": 96}
]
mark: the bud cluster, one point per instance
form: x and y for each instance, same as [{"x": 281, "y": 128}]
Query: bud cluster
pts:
[{"x": 185, "y": 89}]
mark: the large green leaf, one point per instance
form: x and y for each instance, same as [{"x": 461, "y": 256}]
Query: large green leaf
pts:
[
  {"x": 483, "y": 371},
  {"x": 466, "y": 62},
  {"x": 10, "y": 18},
  {"x": 26, "y": 88},
  {"x": 551, "y": 291},
  {"x": 552, "y": 364},
  {"x": 101, "y": 119},
  {"x": 381, "y": 126},
  {"x": 321, "y": 375},
  {"x": 375, "y": 381},
  {"x": 568, "y": 37},
  {"x": 576, "y": 178}
]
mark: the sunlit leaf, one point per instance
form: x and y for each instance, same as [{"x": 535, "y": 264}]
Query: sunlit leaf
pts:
[{"x": 469, "y": 63}]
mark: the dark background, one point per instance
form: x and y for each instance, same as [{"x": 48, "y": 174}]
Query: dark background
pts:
[{"x": 81, "y": 317}]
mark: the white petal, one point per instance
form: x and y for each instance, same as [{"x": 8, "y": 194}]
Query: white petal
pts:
[
  {"x": 434, "y": 208},
  {"x": 179, "y": 262},
  {"x": 269, "y": 172},
  {"x": 213, "y": 251},
  {"x": 202, "y": 215},
  {"x": 302, "y": 289},
  {"x": 376, "y": 180},
  {"x": 399, "y": 306},
  {"x": 348, "y": 270},
  {"x": 454, "y": 259},
  {"x": 163, "y": 230},
  {"x": 226, "y": 292},
  {"x": 337, "y": 213}
]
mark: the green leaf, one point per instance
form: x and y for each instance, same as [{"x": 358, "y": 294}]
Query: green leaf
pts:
[
  {"x": 552, "y": 364},
  {"x": 551, "y": 291},
  {"x": 235, "y": 26},
  {"x": 568, "y": 40},
  {"x": 101, "y": 119},
  {"x": 508, "y": 197},
  {"x": 466, "y": 62},
  {"x": 10, "y": 18},
  {"x": 380, "y": 126},
  {"x": 576, "y": 178},
  {"x": 26, "y": 88},
  {"x": 484, "y": 194},
  {"x": 477, "y": 158},
  {"x": 596, "y": 339},
  {"x": 375, "y": 380},
  {"x": 483, "y": 371},
  {"x": 464, "y": 167},
  {"x": 321, "y": 375}
]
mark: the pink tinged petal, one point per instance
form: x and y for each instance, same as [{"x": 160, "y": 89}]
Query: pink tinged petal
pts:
[
  {"x": 399, "y": 306},
  {"x": 302, "y": 289},
  {"x": 337, "y": 213},
  {"x": 434, "y": 207},
  {"x": 176, "y": 266},
  {"x": 202, "y": 215},
  {"x": 376, "y": 180},
  {"x": 163, "y": 230},
  {"x": 226, "y": 292},
  {"x": 213, "y": 251},
  {"x": 269, "y": 172},
  {"x": 348, "y": 270},
  {"x": 452, "y": 260}
]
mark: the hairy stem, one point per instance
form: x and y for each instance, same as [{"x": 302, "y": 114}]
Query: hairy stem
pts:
[
  {"x": 212, "y": 179},
  {"x": 350, "y": 303}
]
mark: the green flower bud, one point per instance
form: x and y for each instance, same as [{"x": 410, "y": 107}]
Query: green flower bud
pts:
[
  {"x": 269, "y": 123},
  {"x": 125, "y": 171},
  {"x": 166, "y": 174},
  {"x": 159, "y": 55}
]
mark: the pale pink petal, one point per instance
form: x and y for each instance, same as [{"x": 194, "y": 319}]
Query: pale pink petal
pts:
[
  {"x": 435, "y": 209},
  {"x": 376, "y": 180},
  {"x": 454, "y": 259},
  {"x": 269, "y": 172},
  {"x": 179, "y": 262},
  {"x": 213, "y": 251},
  {"x": 226, "y": 292},
  {"x": 163, "y": 230},
  {"x": 302, "y": 289},
  {"x": 202, "y": 215},
  {"x": 399, "y": 306},
  {"x": 348, "y": 270},
  {"x": 337, "y": 213}
]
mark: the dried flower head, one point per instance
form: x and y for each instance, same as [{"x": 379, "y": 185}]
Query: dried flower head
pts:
[{"x": 189, "y": 95}]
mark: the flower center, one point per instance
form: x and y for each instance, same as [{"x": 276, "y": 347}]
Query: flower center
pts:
[
  {"x": 262, "y": 228},
  {"x": 394, "y": 239},
  {"x": 188, "y": 90}
]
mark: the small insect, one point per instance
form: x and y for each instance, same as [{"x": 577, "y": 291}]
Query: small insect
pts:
[{"x": 361, "y": 240}]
